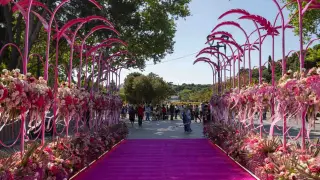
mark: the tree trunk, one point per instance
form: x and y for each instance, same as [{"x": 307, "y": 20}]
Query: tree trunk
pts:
[
  {"x": 34, "y": 34},
  {"x": 14, "y": 54},
  {"x": 2, "y": 33}
]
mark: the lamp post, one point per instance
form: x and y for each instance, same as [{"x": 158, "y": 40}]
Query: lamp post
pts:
[{"x": 218, "y": 46}]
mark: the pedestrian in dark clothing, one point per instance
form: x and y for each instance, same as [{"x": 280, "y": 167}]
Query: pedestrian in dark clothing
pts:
[
  {"x": 176, "y": 112},
  {"x": 136, "y": 111},
  {"x": 264, "y": 114},
  {"x": 206, "y": 114},
  {"x": 191, "y": 112},
  {"x": 164, "y": 112},
  {"x": 171, "y": 112},
  {"x": 148, "y": 112},
  {"x": 197, "y": 113},
  {"x": 140, "y": 115},
  {"x": 186, "y": 119},
  {"x": 132, "y": 114}
]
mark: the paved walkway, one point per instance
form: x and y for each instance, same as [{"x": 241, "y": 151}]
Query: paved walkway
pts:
[
  {"x": 160, "y": 150},
  {"x": 164, "y": 130}
]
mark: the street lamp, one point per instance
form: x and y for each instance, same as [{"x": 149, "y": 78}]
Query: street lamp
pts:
[{"x": 218, "y": 46}]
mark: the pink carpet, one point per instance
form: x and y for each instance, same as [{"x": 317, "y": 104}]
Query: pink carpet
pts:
[{"x": 165, "y": 159}]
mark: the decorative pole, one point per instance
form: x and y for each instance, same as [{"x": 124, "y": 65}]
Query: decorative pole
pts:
[
  {"x": 212, "y": 65},
  {"x": 304, "y": 108}
]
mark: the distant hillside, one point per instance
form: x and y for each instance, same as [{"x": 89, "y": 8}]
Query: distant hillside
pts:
[
  {"x": 193, "y": 87},
  {"x": 193, "y": 92}
]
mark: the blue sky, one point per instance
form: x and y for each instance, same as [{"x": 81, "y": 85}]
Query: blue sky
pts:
[{"x": 191, "y": 37}]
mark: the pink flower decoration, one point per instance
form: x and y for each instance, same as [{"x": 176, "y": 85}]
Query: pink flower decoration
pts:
[
  {"x": 5, "y": 93},
  {"x": 267, "y": 160},
  {"x": 40, "y": 102},
  {"x": 4, "y": 2},
  {"x": 314, "y": 168},
  {"x": 270, "y": 166},
  {"x": 48, "y": 150},
  {"x": 271, "y": 177}
]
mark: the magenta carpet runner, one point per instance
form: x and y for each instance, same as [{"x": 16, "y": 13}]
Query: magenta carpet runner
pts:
[{"x": 165, "y": 159}]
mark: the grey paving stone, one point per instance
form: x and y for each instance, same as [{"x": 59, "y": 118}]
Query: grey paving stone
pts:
[{"x": 164, "y": 130}]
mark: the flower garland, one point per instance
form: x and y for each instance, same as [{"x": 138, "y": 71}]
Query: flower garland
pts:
[
  {"x": 61, "y": 159},
  {"x": 294, "y": 93},
  {"x": 13, "y": 96},
  {"x": 20, "y": 94},
  {"x": 266, "y": 158}
]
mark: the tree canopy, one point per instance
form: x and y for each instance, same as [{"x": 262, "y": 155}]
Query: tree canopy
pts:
[
  {"x": 139, "y": 88},
  {"x": 193, "y": 92},
  {"x": 311, "y": 20},
  {"x": 195, "y": 95}
]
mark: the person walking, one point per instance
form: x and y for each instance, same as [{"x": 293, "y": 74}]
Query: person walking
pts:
[
  {"x": 176, "y": 112},
  {"x": 136, "y": 110},
  {"x": 171, "y": 112},
  {"x": 196, "y": 114},
  {"x": 202, "y": 110},
  {"x": 157, "y": 112},
  {"x": 206, "y": 114},
  {"x": 164, "y": 112},
  {"x": 189, "y": 118},
  {"x": 191, "y": 111},
  {"x": 151, "y": 113},
  {"x": 181, "y": 110},
  {"x": 140, "y": 115},
  {"x": 264, "y": 115},
  {"x": 123, "y": 112},
  {"x": 186, "y": 118},
  {"x": 132, "y": 114},
  {"x": 148, "y": 111}
]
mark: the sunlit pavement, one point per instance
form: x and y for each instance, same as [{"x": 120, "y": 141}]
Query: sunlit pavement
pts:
[{"x": 163, "y": 130}]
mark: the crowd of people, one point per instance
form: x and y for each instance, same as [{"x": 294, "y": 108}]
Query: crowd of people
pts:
[{"x": 188, "y": 113}]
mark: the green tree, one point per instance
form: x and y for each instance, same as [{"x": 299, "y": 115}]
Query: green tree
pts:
[
  {"x": 143, "y": 90},
  {"x": 122, "y": 95},
  {"x": 313, "y": 57},
  {"x": 139, "y": 88},
  {"x": 128, "y": 87},
  {"x": 255, "y": 75},
  {"x": 162, "y": 90},
  {"x": 202, "y": 95},
  {"x": 267, "y": 72},
  {"x": 311, "y": 23},
  {"x": 185, "y": 95},
  {"x": 311, "y": 20}
]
